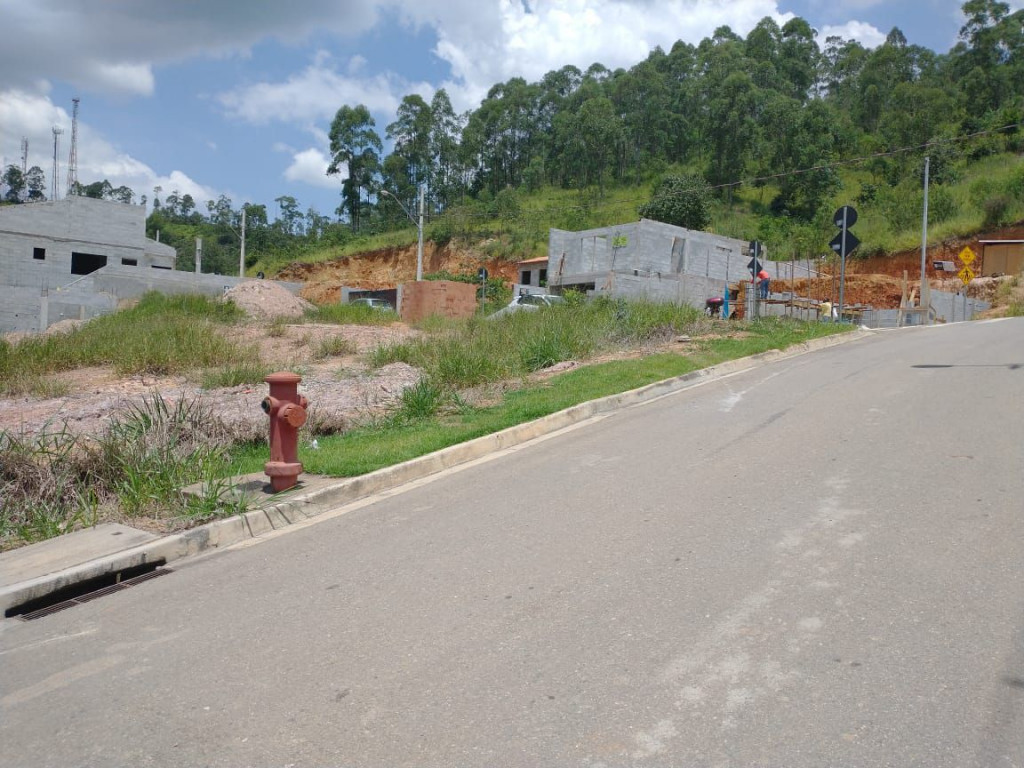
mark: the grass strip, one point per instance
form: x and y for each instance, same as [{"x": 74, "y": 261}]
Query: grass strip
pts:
[{"x": 374, "y": 447}]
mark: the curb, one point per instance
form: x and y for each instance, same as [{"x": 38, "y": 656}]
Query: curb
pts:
[{"x": 281, "y": 514}]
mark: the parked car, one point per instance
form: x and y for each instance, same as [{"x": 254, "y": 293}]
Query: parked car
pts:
[
  {"x": 529, "y": 302},
  {"x": 372, "y": 303}
]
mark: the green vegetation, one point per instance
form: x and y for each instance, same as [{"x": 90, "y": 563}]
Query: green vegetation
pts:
[
  {"x": 476, "y": 380},
  {"x": 427, "y": 419},
  {"x": 783, "y": 128},
  {"x": 160, "y": 335},
  {"x": 484, "y": 350},
  {"x": 57, "y": 482}
]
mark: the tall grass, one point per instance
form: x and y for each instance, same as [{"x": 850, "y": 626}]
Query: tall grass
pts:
[
  {"x": 56, "y": 482},
  {"x": 160, "y": 335},
  {"x": 488, "y": 349}
]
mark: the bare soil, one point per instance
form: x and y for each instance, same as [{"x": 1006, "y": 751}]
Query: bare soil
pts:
[{"x": 343, "y": 390}]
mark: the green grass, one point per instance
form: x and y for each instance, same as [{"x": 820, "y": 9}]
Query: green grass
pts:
[
  {"x": 57, "y": 482},
  {"x": 161, "y": 335},
  {"x": 486, "y": 349},
  {"x": 430, "y": 428}
]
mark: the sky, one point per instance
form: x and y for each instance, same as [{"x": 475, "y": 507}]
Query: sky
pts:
[{"x": 236, "y": 97}]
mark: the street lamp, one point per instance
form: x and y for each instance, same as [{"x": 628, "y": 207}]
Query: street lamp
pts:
[{"x": 419, "y": 228}]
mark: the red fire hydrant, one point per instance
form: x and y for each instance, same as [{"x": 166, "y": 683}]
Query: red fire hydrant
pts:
[{"x": 287, "y": 411}]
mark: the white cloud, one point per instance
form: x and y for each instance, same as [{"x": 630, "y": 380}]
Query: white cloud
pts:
[
  {"x": 310, "y": 167},
  {"x": 489, "y": 42},
  {"x": 112, "y": 46},
  {"x": 315, "y": 93},
  {"x": 866, "y": 34}
]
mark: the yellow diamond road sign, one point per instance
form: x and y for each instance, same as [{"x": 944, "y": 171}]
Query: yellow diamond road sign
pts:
[
  {"x": 967, "y": 257},
  {"x": 965, "y": 275}
]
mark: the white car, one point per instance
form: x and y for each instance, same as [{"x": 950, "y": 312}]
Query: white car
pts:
[
  {"x": 380, "y": 304},
  {"x": 529, "y": 302}
]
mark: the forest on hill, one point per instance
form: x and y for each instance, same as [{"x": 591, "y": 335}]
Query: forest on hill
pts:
[{"x": 755, "y": 137}]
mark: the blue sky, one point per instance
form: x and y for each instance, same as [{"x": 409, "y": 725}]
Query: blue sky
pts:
[{"x": 235, "y": 97}]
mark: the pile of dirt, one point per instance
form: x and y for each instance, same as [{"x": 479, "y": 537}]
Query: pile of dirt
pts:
[{"x": 265, "y": 300}]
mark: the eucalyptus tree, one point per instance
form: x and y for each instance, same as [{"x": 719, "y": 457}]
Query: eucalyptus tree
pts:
[
  {"x": 642, "y": 98},
  {"x": 14, "y": 182},
  {"x": 355, "y": 145},
  {"x": 500, "y": 134},
  {"x": 799, "y": 59},
  {"x": 35, "y": 184},
  {"x": 408, "y": 165},
  {"x": 988, "y": 60},
  {"x": 729, "y": 101},
  {"x": 447, "y": 179}
]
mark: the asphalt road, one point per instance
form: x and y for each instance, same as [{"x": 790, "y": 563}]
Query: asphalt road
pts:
[{"x": 819, "y": 562}]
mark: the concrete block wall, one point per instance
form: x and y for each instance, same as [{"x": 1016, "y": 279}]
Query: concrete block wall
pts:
[
  {"x": 75, "y": 224},
  {"x": 651, "y": 250},
  {"x": 20, "y": 309},
  {"x": 447, "y": 298},
  {"x": 953, "y": 308}
]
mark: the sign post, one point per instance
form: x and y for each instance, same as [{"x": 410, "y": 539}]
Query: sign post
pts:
[
  {"x": 843, "y": 244},
  {"x": 482, "y": 274},
  {"x": 966, "y": 274},
  {"x": 754, "y": 265}
]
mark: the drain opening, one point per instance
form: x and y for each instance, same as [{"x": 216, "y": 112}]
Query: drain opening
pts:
[{"x": 84, "y": 591}]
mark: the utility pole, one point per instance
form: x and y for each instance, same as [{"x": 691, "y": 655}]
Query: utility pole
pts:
[
  {"x": 924, "y": 249},
  {"x": 241, "y": 255},
  {"x": 419, "y": 248}
]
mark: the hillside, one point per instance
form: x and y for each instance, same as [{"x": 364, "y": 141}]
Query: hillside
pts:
[{"x": 876, "y": 281}]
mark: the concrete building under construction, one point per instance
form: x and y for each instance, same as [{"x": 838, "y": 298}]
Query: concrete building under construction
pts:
[
  {"x": 78, "y": 258},
  {"x": 648, "y": 259}
]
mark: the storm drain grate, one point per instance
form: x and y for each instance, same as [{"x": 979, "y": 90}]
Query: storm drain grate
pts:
[{"x": 86, "y": 591}]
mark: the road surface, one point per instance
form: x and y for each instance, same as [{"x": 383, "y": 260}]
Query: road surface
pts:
[{"x": 814, "y": 563}]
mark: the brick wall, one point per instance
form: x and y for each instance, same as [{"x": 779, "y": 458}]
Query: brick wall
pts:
[{"x": 437, "y": 297}]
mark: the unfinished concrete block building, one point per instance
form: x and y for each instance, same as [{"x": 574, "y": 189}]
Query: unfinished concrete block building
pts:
[
  {"x": 47, "y": 249},
  {"x": 78, "y": 258},
  {"x": 648, "y": 259}
]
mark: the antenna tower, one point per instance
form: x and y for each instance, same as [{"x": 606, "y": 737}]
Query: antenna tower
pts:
[
  {"x": 54, "y": 183},
  {"x": 24, "y": 155},
  {"x": 73, "y": 157}
]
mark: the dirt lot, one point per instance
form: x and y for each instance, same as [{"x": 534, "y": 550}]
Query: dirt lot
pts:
[{"x": 342, "y": 389}]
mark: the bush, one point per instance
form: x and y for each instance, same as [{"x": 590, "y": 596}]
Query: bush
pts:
[
  {"x": 995, "y": 209},
  {"x": 680, "y": 200}
]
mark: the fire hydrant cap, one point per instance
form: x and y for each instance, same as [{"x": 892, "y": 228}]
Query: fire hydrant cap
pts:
[
  {"x": 294, "y": 415},
  {"x": 283, "y": 377}
]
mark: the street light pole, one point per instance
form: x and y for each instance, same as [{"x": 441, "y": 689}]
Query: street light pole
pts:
[
  {"x": 241, "y": 255},
  {"x": 419, "y": 248},
  {"x": 419, "y": 227}
]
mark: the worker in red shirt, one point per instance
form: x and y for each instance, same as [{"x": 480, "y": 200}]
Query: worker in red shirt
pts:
[{"x": 763, "y": 281}]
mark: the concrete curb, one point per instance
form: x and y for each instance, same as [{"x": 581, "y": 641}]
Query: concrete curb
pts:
[{"x": 303, "y": 506}]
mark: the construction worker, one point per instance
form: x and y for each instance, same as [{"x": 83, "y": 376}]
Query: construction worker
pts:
[
  {"x": 763, "y": 281},
  {"x": 825, "y": 310}
]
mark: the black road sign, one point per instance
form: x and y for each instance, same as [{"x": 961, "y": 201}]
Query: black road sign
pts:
[
  {"x": 850, "y": 239},
  {"x": 754, "y": 265},
  {"x": 850, "y": 214},
  {"x": 482, "y": 273}
]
